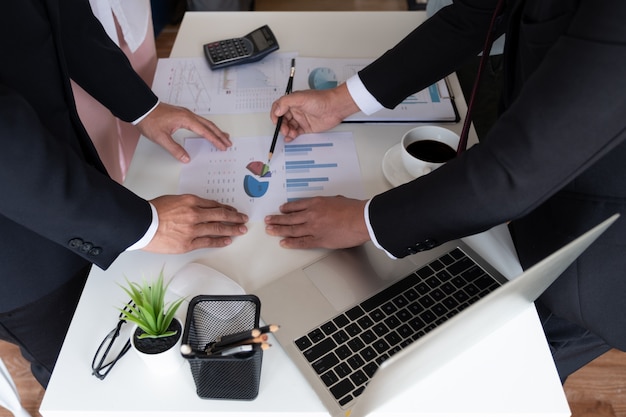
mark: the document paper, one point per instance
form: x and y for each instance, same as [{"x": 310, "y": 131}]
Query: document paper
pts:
[
  {"x": 249, "y": 88},
  {"x": 433, "y": 104},
  {"x": 322, "y": 164},
  {"x": 252, "y": 88}
]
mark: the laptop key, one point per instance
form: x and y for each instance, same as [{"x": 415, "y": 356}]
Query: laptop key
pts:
[
  {"x": 328, "y": 328},
  {"x": 343, "y": 370},
  {"x": 358, "y": 391},
  {"x": 353, "y": 329},
  {"x": 355, "y": 312},
  {"x": 343, "y": 352},
  {"x": 325, "y": 363},
  {"x": 329, "y": 378},
  {"x": 358, "y": 378},
  {"x": 370, "y": 369},
  {"x": 303, "y": 343},
  {"x": 316, "y": 351},
  {"x": 341, "y": 389},
  {"x": 461, "y": 265},
  {"x": 368, "y": 337},
  {"x": 341, "y": 321},
  {"x": 316, "y": 335},
  {"x": 365, "y": 322},
  {"x": 340, "y": 337}
]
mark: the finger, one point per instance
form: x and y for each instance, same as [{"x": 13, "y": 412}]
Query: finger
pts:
[
  {"x": 175, "y": 149},
  {"x": 221, "y": 214},
  {"x": 296, "y": 205},
  {"x": 290, "y": 219},
  {"x": 303, "y": 242},
  {"x": 210, "y": 242},
  {"x": 219, "y": 229},
  {"x": 210, "y": 131}
]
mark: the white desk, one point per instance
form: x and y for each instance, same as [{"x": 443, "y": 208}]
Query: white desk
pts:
[{"x": 510, "y": 373}]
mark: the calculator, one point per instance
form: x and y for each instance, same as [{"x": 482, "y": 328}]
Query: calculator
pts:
[{"x": 250, "y": 48}]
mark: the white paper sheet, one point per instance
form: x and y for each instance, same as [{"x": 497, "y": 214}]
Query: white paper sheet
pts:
[
  {"x": 248, "y": 88},
  {"x": 433, "y": 104},
  {"x": 322, "y": 164}
]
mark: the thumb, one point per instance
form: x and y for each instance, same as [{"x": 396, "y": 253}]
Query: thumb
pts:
[{"x": 176, "y": 150}]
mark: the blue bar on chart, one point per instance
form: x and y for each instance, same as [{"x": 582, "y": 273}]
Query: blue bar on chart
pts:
[
  {"x": 298, "y": 167},
  {"x": 295, "y": 149},
  {"x": 295, "y": 185}
]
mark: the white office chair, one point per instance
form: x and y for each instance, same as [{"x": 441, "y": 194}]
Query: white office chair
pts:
[{"x": 9, "y": 397}]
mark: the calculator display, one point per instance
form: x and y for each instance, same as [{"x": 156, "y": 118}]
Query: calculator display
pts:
[{"x": 259, "y": 40}]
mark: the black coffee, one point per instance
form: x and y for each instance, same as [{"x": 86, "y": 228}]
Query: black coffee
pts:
[{"x": 431, "y": 151}]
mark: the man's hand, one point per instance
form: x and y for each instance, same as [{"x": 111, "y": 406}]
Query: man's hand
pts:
[
  {"x": 188, "y": 222},
  {"x": 312, "y": 111},
  {"x": 320, "y": 222},
  {"x": 160, "y": 124}
]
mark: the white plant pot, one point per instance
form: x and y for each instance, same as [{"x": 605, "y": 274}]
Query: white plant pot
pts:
[{"x": 164, "y": 363}]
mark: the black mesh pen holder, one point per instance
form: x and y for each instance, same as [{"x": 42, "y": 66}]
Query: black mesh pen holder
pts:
[{"x": 234, "y": 377}]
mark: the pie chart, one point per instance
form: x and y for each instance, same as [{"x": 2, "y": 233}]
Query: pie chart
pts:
[
  {"x": 259, "y": 169},
  {"x": 252, "y": 186},
  {"x": 322, "y": 78}
]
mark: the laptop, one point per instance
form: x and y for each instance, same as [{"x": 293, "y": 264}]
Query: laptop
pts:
[{"x": 362, "y": 327}]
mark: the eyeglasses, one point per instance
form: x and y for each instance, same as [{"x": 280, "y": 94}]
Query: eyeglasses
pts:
[{"x": 103, "y": 361}]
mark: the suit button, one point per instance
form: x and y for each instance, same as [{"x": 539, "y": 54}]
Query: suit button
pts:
[
  {"x": 430, "y": 243},
  {"x": 86, "y": 247},
  {"x": 95, "y": 251},
  {"x": 75, "y": 243}
]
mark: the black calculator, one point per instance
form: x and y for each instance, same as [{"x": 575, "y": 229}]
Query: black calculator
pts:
[{"x": 250, "y": 48}]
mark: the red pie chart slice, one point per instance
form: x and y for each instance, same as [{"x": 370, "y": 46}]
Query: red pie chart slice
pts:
[{"x": 259, "y": 169}]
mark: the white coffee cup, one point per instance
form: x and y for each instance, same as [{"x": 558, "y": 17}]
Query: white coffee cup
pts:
[{"x": 437, "y": 146}]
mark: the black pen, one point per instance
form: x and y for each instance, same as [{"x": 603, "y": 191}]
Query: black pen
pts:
[{"x": 280, "y": 119}]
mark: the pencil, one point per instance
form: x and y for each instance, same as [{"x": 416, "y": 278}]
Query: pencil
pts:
[
  {"x": 231, "y": 339},
  {"x": 270, "y": 328},
  {"x": 280, "y": 119}
]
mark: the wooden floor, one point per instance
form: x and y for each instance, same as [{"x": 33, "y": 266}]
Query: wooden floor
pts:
[{"x": 598, "y": 389}]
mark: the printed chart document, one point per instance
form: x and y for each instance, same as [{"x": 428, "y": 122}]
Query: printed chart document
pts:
[
  {"x": 252, "y": 88},
  {"x": 321, "y": 164},
  {"x": 433, "y": 104},
  {"x": 248, "y": 88}
]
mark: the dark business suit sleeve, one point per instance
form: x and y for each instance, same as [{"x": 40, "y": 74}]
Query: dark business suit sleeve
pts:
[
  {"x": 53, "y": 183},
  {"x": 99, "y": 66},
  {"x": 51, "y": 190},
  {"x": 551, "y": 133}
]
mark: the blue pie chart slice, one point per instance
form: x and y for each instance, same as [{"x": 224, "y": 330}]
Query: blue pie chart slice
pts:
[
  {"x": 253, "y": 187},
  {"x": 322, "y": 78}
]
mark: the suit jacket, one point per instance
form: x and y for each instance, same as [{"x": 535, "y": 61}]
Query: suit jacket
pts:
[
  {"x": 554, "y": 163},
  {"x": 60, "y": 212}
]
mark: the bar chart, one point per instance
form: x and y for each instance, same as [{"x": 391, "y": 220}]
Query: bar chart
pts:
[{"x": 319, "y": 166}]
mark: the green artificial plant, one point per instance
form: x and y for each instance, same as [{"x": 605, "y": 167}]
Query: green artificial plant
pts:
[{"x": 148, "y": 309}]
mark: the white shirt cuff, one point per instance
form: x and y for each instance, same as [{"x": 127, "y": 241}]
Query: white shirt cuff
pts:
[
  {"x": 147, "y": 113},
  {"x": 371, "y": 231},
  {"x": 363, "y": 98},
  {"x": 143, "y": 242}
]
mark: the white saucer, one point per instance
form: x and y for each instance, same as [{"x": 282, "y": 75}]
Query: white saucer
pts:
[{"x": 393, "y": 168}]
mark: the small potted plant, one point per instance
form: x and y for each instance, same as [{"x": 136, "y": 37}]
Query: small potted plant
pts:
[{"x": 157, "y": 330}]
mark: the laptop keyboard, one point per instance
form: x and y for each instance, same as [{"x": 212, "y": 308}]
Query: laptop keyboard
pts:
[{"x": 347, "y": 350}]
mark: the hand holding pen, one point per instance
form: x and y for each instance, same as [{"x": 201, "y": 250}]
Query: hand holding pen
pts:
[{"x": 280, "y": 119}]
